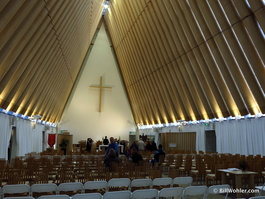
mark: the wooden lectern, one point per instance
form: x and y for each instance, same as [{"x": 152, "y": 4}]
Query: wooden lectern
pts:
[{"x": 68, "y": 137}]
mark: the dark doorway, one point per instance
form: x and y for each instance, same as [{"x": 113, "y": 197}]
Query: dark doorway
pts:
[
  {"x": 132, "y": 138},
  {"x": 12, "y": 147},
  {"x": 43, "y": 141},
  {"x": 210, "y": 144}
]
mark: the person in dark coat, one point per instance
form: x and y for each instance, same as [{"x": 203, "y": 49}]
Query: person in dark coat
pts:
[
  {"x": 89, "y": 143},
  {"x": 110, "y": 157},
  {"x": 135, "y": 156}
]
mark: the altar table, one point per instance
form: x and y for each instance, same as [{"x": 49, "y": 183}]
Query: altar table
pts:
[
  {"x": 105, "y": 146},
  {"x": 238, "y": 174}
]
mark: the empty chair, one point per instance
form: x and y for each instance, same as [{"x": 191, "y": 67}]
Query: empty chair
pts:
[
  {"x": 16, "y": 190},
  {"x": 261, "y": 188},
  {"x": 218, "y": 189},
  {"x": 119, "y": 184},
  {"x": 95, "y": 186},
  {"x": 144, "y": 194},
  {"x": 54, "y": 197},
  {"x": 43, "y": 189},
  {"x": 87, "y": 196},
  {"x": 182, "y": 181},
  {"x": 117, "y": 195},
  {"x": 20, "y": 197},
  {"x": 160, "y": 183},
  {"x": 170, "y": 192},
  {"x": 194, "y": 191},
  {"x": 70, "y": 188},
  {"x": 141, "y": 184}
]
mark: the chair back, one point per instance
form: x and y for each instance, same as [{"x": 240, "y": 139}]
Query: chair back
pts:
[
  {"x": 43, "y": 189},
  {"x": 54, "y": 197},
  {"x": 117, "y": 195},
  {"x": 194, "y": 191},
  {"x": 141, "y": 184},
  {"x": 119, "y": 184},
  {"x": 70, "y": 188},
  {"x": 22, "y": 197},
  {"x": 16, "y": 190},
  {"x": 96, "y": 186},
  {"x": 87, "y": 196},
  {"x": 218, "y": 189},
  {"x": 180, "y": 181},
  {"x": 144, "y": 194},
  {"x": 159, "y": 183},
  {"x": 170, "y": 192}
]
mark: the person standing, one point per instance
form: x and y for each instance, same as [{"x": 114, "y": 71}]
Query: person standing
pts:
[
  {"x": 105, "y": 141},
  {"x": 113, "y": 145},
  {"x": 141, "y": 145},
  {"x": 153, "y": 145},
  {"x": 89, "y": 143}
]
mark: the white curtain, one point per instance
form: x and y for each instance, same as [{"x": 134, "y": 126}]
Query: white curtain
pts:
[
  {"x": 29, "y": 137},
  {"x": 37, "y": 138},
  {"x": 246, "y": 137},
  {"x": 5, "y": 133},
  {"x": 24, "y": 137}
]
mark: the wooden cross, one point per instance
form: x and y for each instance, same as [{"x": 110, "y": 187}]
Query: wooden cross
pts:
[{"x": 100, "y": 92}]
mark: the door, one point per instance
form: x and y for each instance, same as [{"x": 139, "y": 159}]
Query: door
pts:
[{"x": 210, "y": 144}]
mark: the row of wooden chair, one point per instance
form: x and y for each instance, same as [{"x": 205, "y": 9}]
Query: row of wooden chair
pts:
[
  {"x": 204, "y": 167},
  {"x": 61, "y": 169}
]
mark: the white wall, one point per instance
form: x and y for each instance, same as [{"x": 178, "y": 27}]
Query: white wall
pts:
[{"x": 81, "y": 116}]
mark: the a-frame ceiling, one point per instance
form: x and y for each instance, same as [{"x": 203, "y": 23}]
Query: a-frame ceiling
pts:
[{"x": 179, "y": 59}]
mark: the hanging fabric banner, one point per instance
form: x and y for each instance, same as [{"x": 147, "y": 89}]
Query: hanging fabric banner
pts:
[{"x": 51, "y": 139}]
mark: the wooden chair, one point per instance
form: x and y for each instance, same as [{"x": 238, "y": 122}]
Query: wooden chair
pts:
[
  {"x": 215, "y": 177},
  {"x": 200, "y": 173},
  {"x": 185, "y": 171},
  {"x": 155, "y": 173}
]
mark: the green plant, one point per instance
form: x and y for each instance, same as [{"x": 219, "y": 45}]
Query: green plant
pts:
[
  {"x": 64, "y": 143},
  {"x": 243, "y": 165}
]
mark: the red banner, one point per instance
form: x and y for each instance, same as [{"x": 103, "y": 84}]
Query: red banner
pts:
[{"x": 51, "y": 139}]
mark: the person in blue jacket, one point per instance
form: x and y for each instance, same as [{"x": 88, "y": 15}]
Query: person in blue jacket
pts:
[
  {"x": 112, "y": 145},
  {"x": 158, "y": 153}
]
